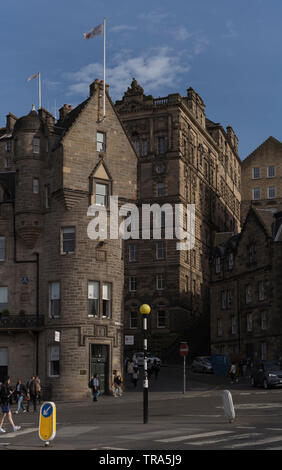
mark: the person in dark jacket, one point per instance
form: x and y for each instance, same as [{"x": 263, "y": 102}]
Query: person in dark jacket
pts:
[
  {"x": 6, "y": 393},
  {"x": 30, "y": 394}
]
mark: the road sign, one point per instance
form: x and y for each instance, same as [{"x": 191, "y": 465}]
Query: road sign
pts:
[
  {"x": 184, "y": 348},
  {"x": 47, "y": 421}
]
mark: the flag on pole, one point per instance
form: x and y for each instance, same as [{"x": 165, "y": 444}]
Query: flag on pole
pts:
[
  {"x": 33, "y": 76},
  {"x": 96, "y": 31}
]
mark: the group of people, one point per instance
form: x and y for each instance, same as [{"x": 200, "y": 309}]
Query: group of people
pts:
[
  {"x": 31, "y": 392},
  {"x": 94, "y": 385},
  {"x": 132, "y": 369}
]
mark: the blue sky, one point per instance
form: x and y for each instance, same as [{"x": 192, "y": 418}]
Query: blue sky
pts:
[{"x": 229, "y": 52}]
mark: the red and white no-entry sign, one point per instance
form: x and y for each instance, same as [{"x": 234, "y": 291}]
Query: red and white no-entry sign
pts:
[{"x": 184, "y": 348}]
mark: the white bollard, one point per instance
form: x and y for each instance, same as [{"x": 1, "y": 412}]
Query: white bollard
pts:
[{"x": 228, "y": 406}]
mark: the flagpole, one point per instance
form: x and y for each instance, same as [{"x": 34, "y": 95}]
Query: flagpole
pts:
[
  {"x": 39, "y": 91},
  {"x": 104, "y": 99}
]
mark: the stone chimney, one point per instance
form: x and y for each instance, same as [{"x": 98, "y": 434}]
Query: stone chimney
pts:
[
  {"x": 10, "y": 122},
  {"x": 97, "y": 85},
  {"x": 64, "y": 110}
]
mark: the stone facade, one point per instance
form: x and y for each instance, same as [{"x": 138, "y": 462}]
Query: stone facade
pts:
[
  {"x": 261, "y": 175},
  {"x": 246, "y": 290},
  {"x": 61, "y": 292},
  {"x": 184, "y": 158}
]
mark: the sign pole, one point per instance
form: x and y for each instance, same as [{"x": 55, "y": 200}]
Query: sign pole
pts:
[{"x": 184, "y": 374}]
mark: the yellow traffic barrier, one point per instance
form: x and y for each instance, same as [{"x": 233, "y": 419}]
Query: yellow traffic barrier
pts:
[{"x": 47, "y": 422}]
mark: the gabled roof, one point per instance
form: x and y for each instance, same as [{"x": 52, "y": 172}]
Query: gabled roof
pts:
[{"x": 268, "y": 142}]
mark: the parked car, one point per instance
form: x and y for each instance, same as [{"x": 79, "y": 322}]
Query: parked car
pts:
[
  {"x": 266, "y": 374},
  {"x": 139, "y": 358},
  {"x": 202, "y": 364}
]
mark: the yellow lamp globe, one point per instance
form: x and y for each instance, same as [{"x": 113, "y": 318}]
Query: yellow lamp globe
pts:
[{"x": 145, "y": 309}]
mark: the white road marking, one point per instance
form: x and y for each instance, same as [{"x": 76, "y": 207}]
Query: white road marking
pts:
[
  {"x": 257, "y": 443},
  {"x": 215, "y": 441},
  {"x": 194, "y": 436},
  {"x": 154, "y": 434},
  {"x": 13, "y": 434}
]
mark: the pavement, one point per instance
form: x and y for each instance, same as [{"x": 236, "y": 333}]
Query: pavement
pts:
[{"x": 177, "y": 421}]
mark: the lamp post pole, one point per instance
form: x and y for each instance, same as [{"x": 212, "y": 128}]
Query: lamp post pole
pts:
[{"x": 145, "y": 310}]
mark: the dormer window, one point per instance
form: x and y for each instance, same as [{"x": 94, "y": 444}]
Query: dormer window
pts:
[{"x": 101, "y": 194}]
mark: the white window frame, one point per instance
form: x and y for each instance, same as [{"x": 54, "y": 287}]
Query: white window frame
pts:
[
  {"x": 160, "y": 281},
  {"x": 100, "y": 141},
  {"x": 65, "y": 238},
  {"x": 107, "y": 297},
  {"x": 132, "y": 283},
  {"x": 36, "y": 145},
  {"x": 162, "y": 323},
  {"x": 268, "y": 171},
  {"x": 53, "y": 352},
  {"x": 54, "y": 295},
  {"x": 105, "y": 196},
  {"x": 256, "y": 194},
  {"x": 94, "y": 294},
  {"x": 35, "y": 185},
  {"x": 273, "y": 190},
  {"x": 256, "y": 176},
  {"x": 132, "y": 252},
  {"x": 47, "y": 196},
  {"x": 132, "y": 321},
  {"x": 160, "y": 250}
]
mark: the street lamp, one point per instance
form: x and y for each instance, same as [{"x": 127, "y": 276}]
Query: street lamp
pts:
[{"x": 145, "y": 310}]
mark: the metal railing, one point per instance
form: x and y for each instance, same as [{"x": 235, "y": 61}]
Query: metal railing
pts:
[{"x": 21, "y": 321}]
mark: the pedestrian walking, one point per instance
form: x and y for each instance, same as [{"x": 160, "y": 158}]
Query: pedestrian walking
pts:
[
  {"x": 156, "y": 368},
  {"x": 96, "y": 387},
  {"x": 33, "y": 392},
  {"x": 135, "y": 375},
  {"x": 38, "y": 389},
  {"x": 5, "y": 395},
  {"x": 232, "y": 372},
  {"x": 20, "y": 394},
  {"x": 117, "y": 385},
  {"x": 130, "y": 369},
  {"x": 149, "y": 367},
  {"x": 28, "y": 392}
]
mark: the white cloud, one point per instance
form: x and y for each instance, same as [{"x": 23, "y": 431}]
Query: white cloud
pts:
[
  {"x": 153, "y": 70},
  {"x": 122, "y": 28}
]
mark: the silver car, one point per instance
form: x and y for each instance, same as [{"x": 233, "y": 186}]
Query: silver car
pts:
[
  {"x": 139, "y": 358},
  {"x": 202, "y": 364}
]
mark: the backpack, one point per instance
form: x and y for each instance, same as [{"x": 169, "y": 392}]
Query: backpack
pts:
[{"x": 90, "y": 383}]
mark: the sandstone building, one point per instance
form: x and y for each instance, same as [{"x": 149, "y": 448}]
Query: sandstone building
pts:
[
  {"x": 183, "y": 158},
  {"x": 246, "y": 289},
  {"x": 261, "y": 177},
  {"x": 61, "y": 293}
]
